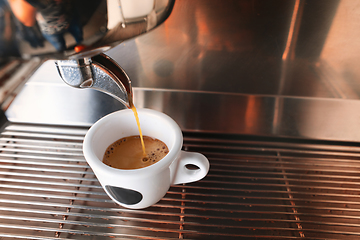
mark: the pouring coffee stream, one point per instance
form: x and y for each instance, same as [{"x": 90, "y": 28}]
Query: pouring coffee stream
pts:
[
  {"x": 101, "y": 73},
  {"x": 133, "y": 108}
]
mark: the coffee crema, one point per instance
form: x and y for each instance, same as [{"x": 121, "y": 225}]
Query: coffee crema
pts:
[{"x": 127, "y": 152}]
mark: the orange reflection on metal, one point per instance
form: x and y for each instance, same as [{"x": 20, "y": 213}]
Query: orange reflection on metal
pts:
[
  {"x": 289, "y": 52},
  {"x": 251, "y": 112}
]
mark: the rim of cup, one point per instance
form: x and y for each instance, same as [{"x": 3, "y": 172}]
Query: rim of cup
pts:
[{"x": 167, "y": 122}]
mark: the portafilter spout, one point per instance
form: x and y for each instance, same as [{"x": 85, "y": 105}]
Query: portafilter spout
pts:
[{"x": 99, "y": 72}]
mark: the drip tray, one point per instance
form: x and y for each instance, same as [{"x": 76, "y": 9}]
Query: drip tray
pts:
[{"x": 268, "y": 188}]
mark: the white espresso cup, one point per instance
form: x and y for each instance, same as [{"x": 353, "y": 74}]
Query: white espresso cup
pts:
[{"x": 143, "y": 187}]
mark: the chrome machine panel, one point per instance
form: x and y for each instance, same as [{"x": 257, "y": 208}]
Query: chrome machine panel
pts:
[{"x": 279, "y": 68}]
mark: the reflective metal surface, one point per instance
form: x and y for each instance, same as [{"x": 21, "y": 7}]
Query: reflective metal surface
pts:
[
  {"x": 248, "y": 47},
  {"x": 46, "y": 99},
  {"x": 288, "y": 49},
  {"x": 257, "y": 188},
  {"x": 99, "y": 72},
  {"x": 267, "y": 90},
  {"x": 53, "y": 28},
  {"x": 96, "y": 26}
]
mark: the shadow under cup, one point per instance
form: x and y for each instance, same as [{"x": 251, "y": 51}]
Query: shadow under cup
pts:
[{"x": 135, "y": 188}]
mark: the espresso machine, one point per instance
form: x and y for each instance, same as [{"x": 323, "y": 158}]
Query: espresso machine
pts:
[
  {"x": 96, "y": 27},
  {"x": 267, "y": 90}
]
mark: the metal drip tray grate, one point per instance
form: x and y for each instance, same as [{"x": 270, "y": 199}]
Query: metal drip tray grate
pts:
[{"x": 257, "y": 187}]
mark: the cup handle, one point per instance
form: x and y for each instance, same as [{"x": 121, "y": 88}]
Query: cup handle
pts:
[{"x": 185, "y": 173}]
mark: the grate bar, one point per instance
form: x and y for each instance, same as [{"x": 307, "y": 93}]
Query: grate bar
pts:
[
  {"x": 41, "y": 143},
  {"x": 92, "y": 216},
  {"x": 49, "y": 183},
  {"x": 32, "y": 175},
  {"x": 246, "y": 184},
  {"x": 43, "y": 136},
  {"x": 270, "y": 160},
  {"x": 52, "y": 196},
  {"x": 283, "y": 185},
  {"x": 325, "y": 201},
  {"x": 212, "y": 188},
  {"x": 279, "y": 168},
  {"x": 16, "y": 236},
  {"x": 313, "y": 230},
  {"x": 29, "y": 148},
  {"x": 44, "y": 169},
  {"x": 49, "y": 220},
  {"x": 108, "y": 200},
  {"x": 260, "y": 205},
  {"x": 149, "y": 220},
  {"x": 19, "y": 150},
  {"x": 298, "y": 175},
  {"x": 91, "y": 233},
  {"x": 89, "y": 224},
  {"x": 164, "y": 206},
  {"x": 86, "y": 233},
  {"x": 289, "y": 179},
  {"x": 272, "y": 150},
  {"x": 271, "y": 191},
  {"x": 68, "y": 130},
  {"x": 52, "y": 189},
  {"x": 47, "y": 158},
  {"x": 46, "y": 163}
]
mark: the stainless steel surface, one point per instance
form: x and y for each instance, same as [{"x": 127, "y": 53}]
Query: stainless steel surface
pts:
[
  {"x": 257, "y": 188},
  {"x": 267, "y": 90},
  {"x": 13, "y": 76},
  {"x": 213, "y": 76},
  {"x": 99, "y": 72},
  {"x": 46, "y": 99},
  {"x": 94, "y": 24},
  {"x": 251, "y": 47}
]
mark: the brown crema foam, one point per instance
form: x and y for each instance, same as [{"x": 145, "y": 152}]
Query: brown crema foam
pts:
[{"x": 127, "y": 152}]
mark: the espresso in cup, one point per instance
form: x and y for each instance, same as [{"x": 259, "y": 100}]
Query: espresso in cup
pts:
[
  {"x": 127, "y": 152},
  {"x": 141, "y": 187}
]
